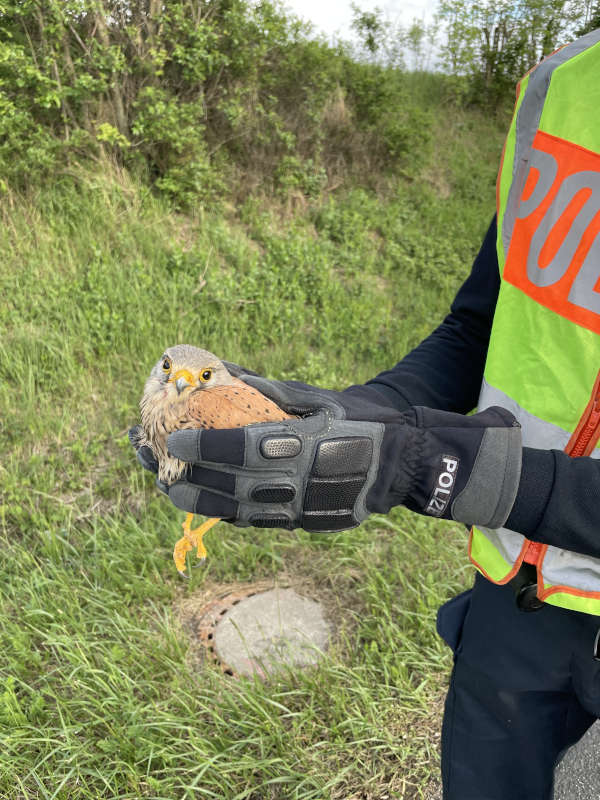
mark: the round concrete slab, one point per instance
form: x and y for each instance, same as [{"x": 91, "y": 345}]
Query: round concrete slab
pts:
[{"x": 271, "y": 629}]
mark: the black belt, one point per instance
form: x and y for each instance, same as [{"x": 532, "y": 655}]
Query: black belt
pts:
[{"x": 524, "y": 585}]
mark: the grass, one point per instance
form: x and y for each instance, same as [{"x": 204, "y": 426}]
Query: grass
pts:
[{"x": 99, "y": 695}]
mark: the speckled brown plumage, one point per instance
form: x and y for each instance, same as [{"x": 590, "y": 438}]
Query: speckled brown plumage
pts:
[{"x": 232, "y": 406}]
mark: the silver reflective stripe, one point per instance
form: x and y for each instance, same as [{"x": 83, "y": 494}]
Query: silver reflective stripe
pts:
[
  {"x": 560, "y": 567},
  {"x": 528, "y": 119},
  {"x": 554, "y": 270},
  {"x": 564, "y": 568},
  {"x": 535, "y": 432},
  {"x": 583, "y": 290},
  {"x": 547, "y": 166}
]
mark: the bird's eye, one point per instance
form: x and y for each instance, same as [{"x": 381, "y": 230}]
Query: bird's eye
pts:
[
  {"x": 166, "y": 365},
  {"x": 206, "y": 375}
]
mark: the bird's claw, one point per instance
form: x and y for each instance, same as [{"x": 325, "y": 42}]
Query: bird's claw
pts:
[
  {"x": 191, "y": 539},
  {"x": 198, "y": 563},
  {"x": 181, "y": 549}
]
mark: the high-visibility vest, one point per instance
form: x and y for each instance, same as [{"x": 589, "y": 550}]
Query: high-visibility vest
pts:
[{"x": 544, "y": 355}]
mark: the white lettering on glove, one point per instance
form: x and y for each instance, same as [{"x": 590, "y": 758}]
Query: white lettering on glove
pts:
[{"x": 443, "y": 490}]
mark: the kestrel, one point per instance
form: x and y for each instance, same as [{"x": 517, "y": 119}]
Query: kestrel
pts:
[{"x": 191, "y": 388}]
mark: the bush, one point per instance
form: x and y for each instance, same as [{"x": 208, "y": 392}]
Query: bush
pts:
[{"x": 202, "y": 97}]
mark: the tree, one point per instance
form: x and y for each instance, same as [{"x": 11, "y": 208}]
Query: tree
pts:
[
  {"x": 380, "y": 39},
  {"x": 389, "y": 43},
  {"x": 492, "y": 43},
  {"x": 592, "y": 19}
]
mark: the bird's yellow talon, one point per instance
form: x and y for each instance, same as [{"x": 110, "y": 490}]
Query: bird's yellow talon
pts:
[
  {"x": 181, "y": 549},
  {"x": 189, "y": 540}
]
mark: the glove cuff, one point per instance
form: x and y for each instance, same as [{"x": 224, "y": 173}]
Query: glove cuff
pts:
[
  {"x": 400, "y": 467},
  {"x": 489, "y": 495}
]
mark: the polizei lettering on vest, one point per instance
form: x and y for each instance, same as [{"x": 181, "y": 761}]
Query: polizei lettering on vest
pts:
[
  {"x": 443, "y": 488},
  {"x": 555, "y": 247}
]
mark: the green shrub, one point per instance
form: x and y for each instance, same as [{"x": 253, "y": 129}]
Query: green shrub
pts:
[{"x": 204, "y": 98}]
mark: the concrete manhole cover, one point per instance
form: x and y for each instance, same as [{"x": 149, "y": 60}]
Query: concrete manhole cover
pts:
[{"x": 256, "y": 631}]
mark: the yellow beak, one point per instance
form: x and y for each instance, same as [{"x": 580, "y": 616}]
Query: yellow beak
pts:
[{"x": 182, "y": 379}]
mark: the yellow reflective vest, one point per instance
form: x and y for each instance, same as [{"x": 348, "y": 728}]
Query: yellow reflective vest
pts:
[{"x": 543, "y": 361}]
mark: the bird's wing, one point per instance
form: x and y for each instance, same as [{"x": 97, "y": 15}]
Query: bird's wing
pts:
[{"x": 232, "y": 406}]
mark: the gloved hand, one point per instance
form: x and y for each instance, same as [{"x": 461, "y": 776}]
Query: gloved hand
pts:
[{"x": 347, "y": 456}]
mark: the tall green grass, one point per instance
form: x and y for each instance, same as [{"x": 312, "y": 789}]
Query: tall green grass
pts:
[{"x": 99, "y": 693}]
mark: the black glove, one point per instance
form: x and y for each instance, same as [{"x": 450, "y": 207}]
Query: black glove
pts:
[{"x": 347, "y": 456}]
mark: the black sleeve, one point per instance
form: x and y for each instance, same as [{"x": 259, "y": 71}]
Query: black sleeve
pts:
[
  {"x": 446, "y": 369},
  {"x": 558, "y": 501}
]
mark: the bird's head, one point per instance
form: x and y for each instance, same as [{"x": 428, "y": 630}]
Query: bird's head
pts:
[{"x": 182, "y": 368}]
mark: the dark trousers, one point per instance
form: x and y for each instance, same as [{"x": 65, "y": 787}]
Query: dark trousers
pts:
[{"x": 524, "y": 688}]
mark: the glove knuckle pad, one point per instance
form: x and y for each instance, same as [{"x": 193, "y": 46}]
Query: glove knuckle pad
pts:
[
  {"x": 338, "y": 475},
  {"x": 273, "y": 494},
  {"x": 329, "y": 495},
  {"x": 347, "y": 456},
  {"x": 280, "y": 446},
  {"x": 310, "y": 474}
]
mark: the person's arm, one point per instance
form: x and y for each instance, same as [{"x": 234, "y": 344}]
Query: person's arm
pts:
[
  {"x": 557, "y": 497},
  {"x": 355, "y": 452},
  {"x": 446, "y": 369},
  {"x": 558, "y": 501}
]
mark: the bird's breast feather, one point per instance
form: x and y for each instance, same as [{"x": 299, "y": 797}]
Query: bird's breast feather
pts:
[{"x": 232, "y": 406}]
